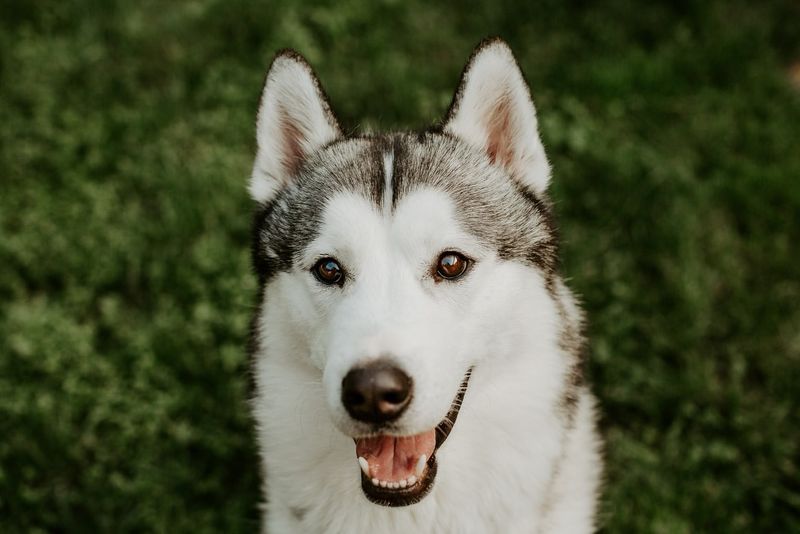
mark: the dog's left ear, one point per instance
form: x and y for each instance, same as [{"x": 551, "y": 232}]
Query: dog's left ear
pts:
[
  {"x": 493, "y": 111},
  {"x": 294, "y": 120}
]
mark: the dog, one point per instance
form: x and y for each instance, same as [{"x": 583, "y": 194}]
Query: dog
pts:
[{"x": 417, "y": 359}]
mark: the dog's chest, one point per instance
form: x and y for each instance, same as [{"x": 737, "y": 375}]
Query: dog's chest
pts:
[{"x": 467, "y": 516}]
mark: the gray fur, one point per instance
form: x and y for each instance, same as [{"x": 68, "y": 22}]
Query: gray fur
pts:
[{"x": 491, "y": 204}]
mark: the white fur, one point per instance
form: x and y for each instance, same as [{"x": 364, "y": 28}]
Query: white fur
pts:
[
  {"x": 495, "y": 113},
  {"x": 497, "y": 469}
]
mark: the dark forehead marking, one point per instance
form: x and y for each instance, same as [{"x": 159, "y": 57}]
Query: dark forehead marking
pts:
[
  {"x": 399, "y": 174},
  {"x": 359, "y": 169},
  {"x": 381, "y": 145},
  {"x": 491, "y": 204},
  {"x": 283, "y": 227}
]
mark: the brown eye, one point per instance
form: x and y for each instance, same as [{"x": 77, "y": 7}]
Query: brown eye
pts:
[
  {"x": 451, "y": 265},
  {"x": 328, "y": 271}
]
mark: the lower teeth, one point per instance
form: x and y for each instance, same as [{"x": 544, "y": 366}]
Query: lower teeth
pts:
[
  {"x": 407, "y": 483},
  {"x": 419, "y": 468}
]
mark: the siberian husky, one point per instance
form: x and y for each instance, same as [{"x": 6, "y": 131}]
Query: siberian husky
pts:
[{"x": 416, "y": 356}]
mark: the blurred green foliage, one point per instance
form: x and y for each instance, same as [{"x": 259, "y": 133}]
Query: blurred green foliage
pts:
[{"x": 126, "y": 136}]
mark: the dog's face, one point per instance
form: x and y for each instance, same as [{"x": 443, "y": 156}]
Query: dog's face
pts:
[{"x": 397, "y": 261}]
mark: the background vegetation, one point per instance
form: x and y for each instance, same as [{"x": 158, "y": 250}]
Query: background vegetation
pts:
[{"x": 126, "y": 136}]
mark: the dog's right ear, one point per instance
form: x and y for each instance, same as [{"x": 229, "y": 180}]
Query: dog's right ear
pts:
[{"x": 294, "y": 120}]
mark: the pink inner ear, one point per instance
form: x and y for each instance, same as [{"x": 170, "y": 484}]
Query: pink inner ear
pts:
[
  {"x": 500, "y": 137},
  {"x": 292, "y": 139}
]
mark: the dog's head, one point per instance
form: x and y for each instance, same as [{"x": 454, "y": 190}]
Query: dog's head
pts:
[{"x": 396, "y": 263}]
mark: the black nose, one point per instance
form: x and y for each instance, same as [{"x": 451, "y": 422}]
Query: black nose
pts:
[{"x": 376, "y": 393}]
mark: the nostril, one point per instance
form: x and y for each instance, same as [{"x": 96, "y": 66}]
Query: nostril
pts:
[
  {"x": 354, "y": 398},
  {"x": 395, "y": 397}
]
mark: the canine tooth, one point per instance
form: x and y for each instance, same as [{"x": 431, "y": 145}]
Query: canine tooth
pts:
[
  {"x": 421, "y": 465},
  {"x": 364, "y": 465},
  {"x": 382, "y": 483},
  {"x": 412, "y": 480},
  {"x": 375, "y": 481},
  {"x": 403, "y": 483}
]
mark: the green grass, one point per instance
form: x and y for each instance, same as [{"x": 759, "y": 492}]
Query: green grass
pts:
[{"x": 126, "y": 136}]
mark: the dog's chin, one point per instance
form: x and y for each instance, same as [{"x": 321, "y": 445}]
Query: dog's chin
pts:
[{"x": 400, "y": 470}]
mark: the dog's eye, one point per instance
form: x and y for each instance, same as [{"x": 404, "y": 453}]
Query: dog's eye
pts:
[
  {"x": 328, "y": 271},
  {"x": 451, "y": 265}
]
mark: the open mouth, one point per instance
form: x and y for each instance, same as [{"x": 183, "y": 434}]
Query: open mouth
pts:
[{"x": 400, "y": 470}]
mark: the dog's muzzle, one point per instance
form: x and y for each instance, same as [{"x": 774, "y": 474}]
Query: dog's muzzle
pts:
[{"x": 400, "y": 470}]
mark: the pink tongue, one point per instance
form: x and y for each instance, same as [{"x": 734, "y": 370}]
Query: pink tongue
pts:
[{"x": 393, "y": 458}]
